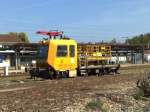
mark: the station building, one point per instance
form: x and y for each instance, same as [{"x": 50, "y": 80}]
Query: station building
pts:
[
  {"x": 7, "y": 55},
  {"x": 13, "y": 53}
]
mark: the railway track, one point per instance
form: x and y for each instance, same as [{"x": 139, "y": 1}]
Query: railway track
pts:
[
  {"x": 125, "y": 67},
  {"x": 15, "y": 75}
]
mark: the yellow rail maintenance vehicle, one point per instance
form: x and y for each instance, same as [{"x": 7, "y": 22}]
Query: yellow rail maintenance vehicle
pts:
[{"x": 62, "y": 57}]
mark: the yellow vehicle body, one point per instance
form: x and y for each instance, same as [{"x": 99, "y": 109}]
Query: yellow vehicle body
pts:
[
  {"x": 62, "y": 56},
  {"x": 62, "y": 60}
]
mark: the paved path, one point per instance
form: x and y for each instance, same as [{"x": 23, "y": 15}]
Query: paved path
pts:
[{"x": 14, "y": 89}]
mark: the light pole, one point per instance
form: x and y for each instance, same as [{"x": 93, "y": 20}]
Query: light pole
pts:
[{"x": 125, "y": 38}]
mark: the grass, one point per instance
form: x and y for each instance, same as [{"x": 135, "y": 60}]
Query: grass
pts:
[
  {"x": 143, "y": 86},
  {"x": 96, "y": 105},
  {"x": 139, "y": 95}
]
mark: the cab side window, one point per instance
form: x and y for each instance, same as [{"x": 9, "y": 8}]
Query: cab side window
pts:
[
  {"x": 43, "y": 51},
  {"x": 61, "y": 50},
  {"x": 72, "y": 50}
]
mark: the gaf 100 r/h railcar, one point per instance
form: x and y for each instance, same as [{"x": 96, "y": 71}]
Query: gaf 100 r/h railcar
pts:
[{"x": 64, "y": 58}]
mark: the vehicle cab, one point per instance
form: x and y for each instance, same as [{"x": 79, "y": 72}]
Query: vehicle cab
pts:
[{"x": 59, "y": 55}]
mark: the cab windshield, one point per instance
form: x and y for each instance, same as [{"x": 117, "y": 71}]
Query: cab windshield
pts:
[{"x": 61, "y": 50}]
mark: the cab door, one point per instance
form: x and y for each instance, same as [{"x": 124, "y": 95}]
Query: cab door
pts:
[{"x": 72, "y": 60}]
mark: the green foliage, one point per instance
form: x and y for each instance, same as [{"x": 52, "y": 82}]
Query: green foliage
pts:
[
  {"x": 96, "y": 105},
  {"x": 139, "y": 95},
  {"x": 45, "y": 38},
  {"x": 23, "y": 36},
  {"x": 140, "y": 39},
  {"x": 13, "y": 33},
  {"x": 144, "y": 87}
]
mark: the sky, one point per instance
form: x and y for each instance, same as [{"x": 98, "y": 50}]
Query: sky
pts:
[{"x": 83, "y": 20}]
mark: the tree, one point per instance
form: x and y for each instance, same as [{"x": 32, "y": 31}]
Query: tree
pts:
[
  {"x": 13, "y": 33},
  {"x": 113, "y": 41},
  {"x": 45, "y": 39},
  {"x": 140, "y": 39},
  {"x": 22, "y": 36}
]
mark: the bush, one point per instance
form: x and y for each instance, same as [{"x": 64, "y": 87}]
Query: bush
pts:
[
  {"x": 144, "y": 86},
  {"x": 139, "y": 95},
  {"x": 96, "y": 105}
]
